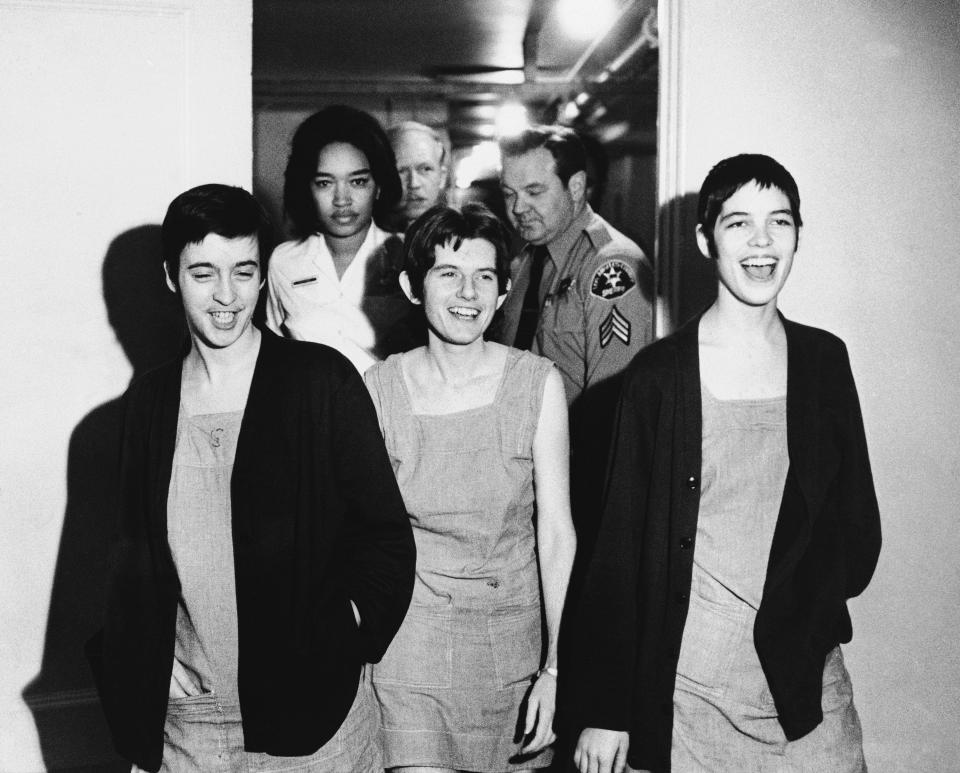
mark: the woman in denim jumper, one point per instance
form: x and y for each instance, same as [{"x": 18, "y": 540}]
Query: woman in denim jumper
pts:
[
  {"x": 740, "y": 515},
  {"x": 477, "y": 433},
  {"x": 263, "y": 558}
]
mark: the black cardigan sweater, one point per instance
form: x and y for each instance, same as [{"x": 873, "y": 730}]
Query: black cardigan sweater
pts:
[
  {"x": 317, "y": 520},
  {"x": 825, "y": 544}
]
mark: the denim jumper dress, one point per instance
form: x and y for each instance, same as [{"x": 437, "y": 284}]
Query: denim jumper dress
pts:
[
  {"x": 453, "y": 680},
  {"x": 724, "y": 715},
  {"x": 203, "y": 729}
]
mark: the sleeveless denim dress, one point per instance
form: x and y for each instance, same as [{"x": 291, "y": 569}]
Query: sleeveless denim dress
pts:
[
  {"x": 453, "y": 680},
  {"x": 203, "y": 729},
  {"x": 724, "y": 715}
]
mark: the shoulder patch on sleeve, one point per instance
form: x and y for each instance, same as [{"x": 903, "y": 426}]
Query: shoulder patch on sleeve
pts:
[{"x": 612, "y": 279}]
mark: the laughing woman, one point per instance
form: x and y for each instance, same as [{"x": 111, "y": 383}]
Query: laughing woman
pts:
[
  {"x": 263, "y": 556},
  {"x": 740, "y": 516},
  {"x": 477, "y": 434}
]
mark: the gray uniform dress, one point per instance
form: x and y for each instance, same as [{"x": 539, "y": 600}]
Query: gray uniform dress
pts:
[
  {"x": 724, "y": 715},
  {"x": 203, "y": 729},
  {"x": 453, "y": 680}
]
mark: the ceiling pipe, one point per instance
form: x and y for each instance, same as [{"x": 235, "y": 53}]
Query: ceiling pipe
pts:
[
  {"x": 648, "y": 37},
  {"x": 539, "y": 10},
  {"x": 574, "y": 71}
]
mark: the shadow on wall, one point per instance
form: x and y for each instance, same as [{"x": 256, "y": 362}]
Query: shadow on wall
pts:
[
  {"x": 695, "y": 275},
  {"x": 148, "y": 322}
]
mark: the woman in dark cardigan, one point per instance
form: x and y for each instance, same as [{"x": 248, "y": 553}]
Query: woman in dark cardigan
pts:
[
  {"x": 740, "y": 516},
  {"x": 263, "y": 553}
]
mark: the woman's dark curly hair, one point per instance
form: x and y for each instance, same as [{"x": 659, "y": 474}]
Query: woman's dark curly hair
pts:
[{"x": 337, "y": 123}]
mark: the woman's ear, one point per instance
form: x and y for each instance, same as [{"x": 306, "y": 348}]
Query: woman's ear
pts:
[
  {"x": 166, "y": 276},
  {"x": 506, "y": 292},
  {"x": 703, "y": 243},
  {"x": 407, "y": 289}
]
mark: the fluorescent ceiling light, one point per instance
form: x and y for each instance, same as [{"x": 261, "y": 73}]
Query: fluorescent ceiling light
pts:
[
  {"x": 482, "y": 162},
  {"x": 511, "y": 119},
  {"x": 586, "y": 19}
]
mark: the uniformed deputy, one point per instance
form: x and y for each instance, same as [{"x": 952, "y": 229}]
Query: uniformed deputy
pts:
[
  {"x": 589, "y": 306},
  {"x": 582, "y": 296}
]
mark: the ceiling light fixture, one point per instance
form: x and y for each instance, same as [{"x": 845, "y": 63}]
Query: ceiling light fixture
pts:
[
  {"x": 511, "y": 119},
  {"x": 570, "y": 112},
  {"x": 584, "y": 19},
  {"x": 483, "y": 161}
]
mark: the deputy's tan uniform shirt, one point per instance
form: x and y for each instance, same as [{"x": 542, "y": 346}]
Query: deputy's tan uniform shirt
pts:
[{"x": 597, "y": 302}]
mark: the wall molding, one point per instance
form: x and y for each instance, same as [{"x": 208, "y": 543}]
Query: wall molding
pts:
[
  {"x": 144, "y": 7},
  {"x": 669, "y": 169}
]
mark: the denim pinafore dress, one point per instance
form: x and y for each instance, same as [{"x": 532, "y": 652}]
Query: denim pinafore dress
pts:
[
  {"x": 452, "y": 681},
  {"x": 203, "y": 728},
  {"x": 724, "y": 715}
]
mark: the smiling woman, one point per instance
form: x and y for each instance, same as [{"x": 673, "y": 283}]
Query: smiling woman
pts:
[
  {"x": 473, "y": 427},
  {"x": 219, "y": 283},
  {"x": 460, "y": 293},
  {"x": 220, "y": 512},
  {"x": 729, "y": 570},
  {"x": 753, "y": 243}
]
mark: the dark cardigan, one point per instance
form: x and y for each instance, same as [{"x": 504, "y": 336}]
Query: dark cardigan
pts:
[
  {"x": 825, "y": 545},
  {"x": 317, "y": 520}
]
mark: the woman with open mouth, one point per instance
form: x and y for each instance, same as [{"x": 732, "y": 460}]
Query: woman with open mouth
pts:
[
  {"x": 477, "y": 433},
  {"x": 262, "y": 557},
  {"x": 740, "y": 515}
]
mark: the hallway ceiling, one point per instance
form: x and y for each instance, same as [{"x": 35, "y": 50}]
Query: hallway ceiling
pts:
[{"x": 464, "y": 52}]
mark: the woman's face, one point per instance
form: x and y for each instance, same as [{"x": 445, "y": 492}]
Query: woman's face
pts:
[
  {"x": 219, "y": 282},
  {"x": 343, "y": 190},
  {"x": 756, "y": 238},
  {"x": 460, "y": 291}
]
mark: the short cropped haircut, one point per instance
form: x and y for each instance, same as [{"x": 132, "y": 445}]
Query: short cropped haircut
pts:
[
  {"x": 564, "y": 145},
  {"x": 440, "y": 226},
  {"x": 730, "y": 175},
  {"x": 337, "y": 123},
  {"x": 213, "y": 209},
  {"x": 406, "y": 127}
]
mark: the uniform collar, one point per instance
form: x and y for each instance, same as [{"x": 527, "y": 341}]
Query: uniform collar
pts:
[
  {"x": 563, "y": 243},
  {"x": 323, "y": 260}
]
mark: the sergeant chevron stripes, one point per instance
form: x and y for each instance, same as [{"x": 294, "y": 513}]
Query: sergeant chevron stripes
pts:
[{"x": 614, "y": 324}]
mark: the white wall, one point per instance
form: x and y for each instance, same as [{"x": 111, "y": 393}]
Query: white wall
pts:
[
  {"x": 860, "y": 101},
  {"x": 110, "y": 108}
]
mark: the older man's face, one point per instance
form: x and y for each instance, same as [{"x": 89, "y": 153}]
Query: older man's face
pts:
[
  {"x": 421, "y": 172},
  {"x": 538, "y": 204}
]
